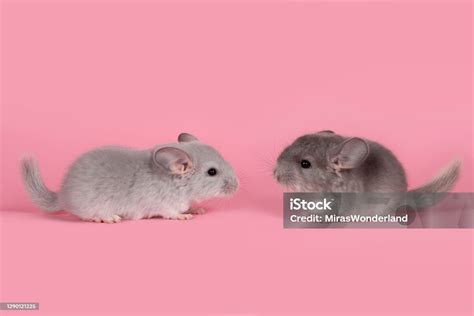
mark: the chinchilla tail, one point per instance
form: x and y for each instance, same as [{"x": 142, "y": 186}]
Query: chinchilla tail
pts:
[
  {"x": 435, "y": 190},
  {"x": 43, "y": 197}
]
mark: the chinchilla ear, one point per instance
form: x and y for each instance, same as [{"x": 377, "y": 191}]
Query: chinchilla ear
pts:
[
  {"x": 349, "y": 154},
  {"x": 172, "y": 160},
  {"x": 185, "y": 137}
]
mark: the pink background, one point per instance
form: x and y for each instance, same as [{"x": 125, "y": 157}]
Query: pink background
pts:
[{"x": 247, "y": 78}]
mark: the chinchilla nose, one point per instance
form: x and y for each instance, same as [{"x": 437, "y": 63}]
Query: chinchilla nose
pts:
[
  {"x": 277, "y": 174},
  {"x": 282, "y": 176},
  {"x": 230, "y": 185}
]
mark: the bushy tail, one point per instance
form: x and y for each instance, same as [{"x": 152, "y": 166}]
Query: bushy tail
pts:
[
  {"x": 439, "y": 185},
  {"x": 39, "y": 193}
]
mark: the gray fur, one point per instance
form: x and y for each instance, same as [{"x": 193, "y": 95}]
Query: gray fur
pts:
[
  {"x": 443, "y": 182},
  {"x": 39, "y": 193},
  {"x": 334, "y": 169},
  {"x": 112, "y": 183}
]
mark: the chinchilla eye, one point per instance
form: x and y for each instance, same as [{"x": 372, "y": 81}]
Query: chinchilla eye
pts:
[
  {"x": 305, "y": 164},
  {"x": 212, "y": 172}
]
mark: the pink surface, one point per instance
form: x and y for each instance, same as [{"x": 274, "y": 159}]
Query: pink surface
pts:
[{"x": 247, "y": 78}]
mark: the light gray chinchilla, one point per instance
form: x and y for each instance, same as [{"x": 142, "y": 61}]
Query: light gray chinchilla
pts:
[{"x": 113, "y": 183}]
